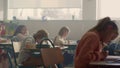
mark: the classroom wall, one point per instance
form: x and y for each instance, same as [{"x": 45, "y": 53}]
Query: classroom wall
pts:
[
  {"x": 77, "y": 27},
  {"x": 89, "y": 9},
  {"x": 1, "y": 9},
  {"x": 1, "y": 5}
]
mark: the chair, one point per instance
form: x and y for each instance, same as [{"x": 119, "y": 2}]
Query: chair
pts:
[
  {"x": 51, "y": 56},
  {"x": 10, "y": 53},
  {"x": 14, "y": 38},
  {"x": 8, "y": 56},
  {"x": 16, "y": 48}
]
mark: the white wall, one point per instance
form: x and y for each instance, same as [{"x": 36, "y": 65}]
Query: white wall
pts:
[
  {"x": 1, "y": 5},
  {"x": 1, "y": 9},
  {"x": 78, "y": 28}
]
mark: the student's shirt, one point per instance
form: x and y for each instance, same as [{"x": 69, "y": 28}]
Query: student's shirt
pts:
[
  {"x": 20, "y": 37},
  {"x": 24, "y": 52},
  {"x": 89, "y": 49},
  {"x": 59, "y": 41}
]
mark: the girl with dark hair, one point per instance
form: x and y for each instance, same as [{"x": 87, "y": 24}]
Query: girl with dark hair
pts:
[{"x": 90, "y": 47}]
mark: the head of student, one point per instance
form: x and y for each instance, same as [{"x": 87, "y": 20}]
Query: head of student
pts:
[
  {"x": 103, "y": 20},
  {"x": 107, "y": 29},
  {"x": 20, "y": 29},
  {"x": 64, "y": 31},
  {"x": 40, "y": 34}
]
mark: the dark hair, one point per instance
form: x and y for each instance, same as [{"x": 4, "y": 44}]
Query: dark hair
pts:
[
  {"x": 107, "y": 25},
  {"x": 104, "y": 24},
  {"x": 18, "y": 29},
  {"x": 103, "y": 20},
  {"x": 41, "y": 34}
]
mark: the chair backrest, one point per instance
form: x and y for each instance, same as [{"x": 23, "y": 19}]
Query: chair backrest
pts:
[
  {"x": 14, "y": 38},
  {"x": 46, "y": 45},
  {"x": 51, "y": 56},
  {"x": 17, "y": 46}
]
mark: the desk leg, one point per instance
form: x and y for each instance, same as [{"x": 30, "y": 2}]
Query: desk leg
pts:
[{"x": 10, "y": 60}]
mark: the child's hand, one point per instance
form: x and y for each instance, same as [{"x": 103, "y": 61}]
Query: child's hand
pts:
[{"x": 104, "y": 54}]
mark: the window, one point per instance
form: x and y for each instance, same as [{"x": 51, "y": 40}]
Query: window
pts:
[
  {"x": 109, "y": 8},
  {"x": 21, "y": 14},
  {"x": 45, "y": 14},
  {"x": 45, "y": 10}
]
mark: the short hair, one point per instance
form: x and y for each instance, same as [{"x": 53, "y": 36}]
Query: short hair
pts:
[
  {"x": 18, "y": 29},
  {"x": 40, "y": 34},
  {"x": 63, "y": 30}
]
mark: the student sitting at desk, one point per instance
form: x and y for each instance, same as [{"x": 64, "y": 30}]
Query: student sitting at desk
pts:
[
  {"x": 60, "y": 40},
  {"x": 20, "y": 33},
  {"x": 90, "y": 47},
  {"x": 28, "y": 43}
]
